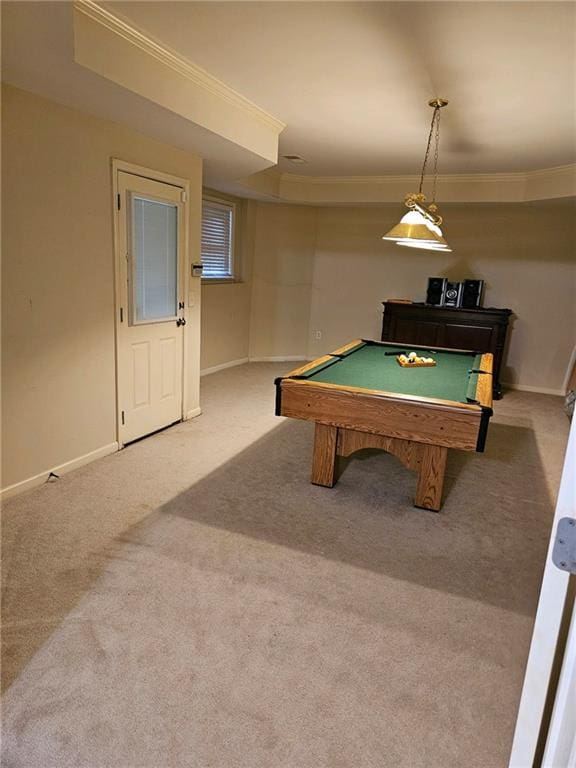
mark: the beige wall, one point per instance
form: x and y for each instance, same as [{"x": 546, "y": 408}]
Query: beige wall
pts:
[
  {"x": 327, "y": 269},
  {"x": 303, "y": 269},
  {"x": 225, "y": 322},
  {"x": 58, "y": 290},
  {"x": 284, "y": 243},
  {"x": 226, "y": 306},
  {"x": 524, "y": 252}
]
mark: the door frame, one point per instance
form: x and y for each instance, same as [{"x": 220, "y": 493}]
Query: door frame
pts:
[
  {"x": 548, "y": 649},
  {"x": 183, "y": 184}
]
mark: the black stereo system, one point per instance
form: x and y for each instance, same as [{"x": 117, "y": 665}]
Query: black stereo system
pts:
[
  {"x": 444, "y": 293},
  {"x": 435, "y": 292},
  {"x": 472, "y": 293}
]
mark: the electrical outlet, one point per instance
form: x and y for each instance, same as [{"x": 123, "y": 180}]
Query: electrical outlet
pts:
[{"x": 318, "y": 335}]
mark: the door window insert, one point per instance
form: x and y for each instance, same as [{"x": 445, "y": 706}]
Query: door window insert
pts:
[{"x": 154, "y": 260}]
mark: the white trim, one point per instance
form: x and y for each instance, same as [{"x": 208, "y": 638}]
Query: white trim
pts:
[
  {"x": 516, "y": 176},
  {"x": 222, "y": 366},
  {"x": 560, "y": 749},
  {"x": 153, "y": 174},
  {"x": 528, "y": 388},
  {"x": 243, "y": 360},
  {"x": 517, "y": 187},
  {"x": 547, "y": 627},
  {"x": 68, "y": 466},
  {"x": 571, "y": 365},
  {"x": 194, "y": 412},
  {"x": 558, "y": 170},
  {"x": 279, "y": 359},
  {"x": 182, "y": 66}
]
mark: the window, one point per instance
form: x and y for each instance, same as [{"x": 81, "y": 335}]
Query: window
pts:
[{"x": 218, "y": 239}]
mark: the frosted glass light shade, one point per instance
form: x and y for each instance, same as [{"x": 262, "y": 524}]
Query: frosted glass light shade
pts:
[
  {"x": 418, "y": 232},
  {"x": 422, "y": 244}
]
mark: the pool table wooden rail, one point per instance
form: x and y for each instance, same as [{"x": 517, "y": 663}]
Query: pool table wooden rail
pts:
[{"x": 438, "y": 422}]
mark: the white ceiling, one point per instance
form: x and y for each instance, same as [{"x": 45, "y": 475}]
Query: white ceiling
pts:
[{"x": 351, "y": 80}]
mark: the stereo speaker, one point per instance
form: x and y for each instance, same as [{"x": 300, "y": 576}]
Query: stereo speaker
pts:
[
  {"x": 453, "y": 294},
  {"x": 436, "y": 289},
  {"x": 472, "y": 293}
]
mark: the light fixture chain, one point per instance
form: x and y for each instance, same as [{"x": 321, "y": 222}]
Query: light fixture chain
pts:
[
  {"x": 437, "y": 118},
  {"x": 436, "y": 111}
]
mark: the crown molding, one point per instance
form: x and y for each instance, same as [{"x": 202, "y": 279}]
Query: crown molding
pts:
[
  {"x": 558, "y": 170},
  {"x": 487, "y": 178},
  {"x": 182, "y": 66},
  {"x": 551, "y": 182},
  {"x": 544, "y": 184}
]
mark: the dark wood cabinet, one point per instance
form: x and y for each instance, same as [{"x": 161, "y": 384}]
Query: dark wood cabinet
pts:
[{"x": 483, "y": 330}]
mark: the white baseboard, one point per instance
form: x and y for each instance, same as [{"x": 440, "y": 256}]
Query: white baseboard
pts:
[
  {"x": 222, "y": 366},
  {"x": 61, "y": 469},
  {"x": 194, "y": 412},
  {"x": 527, "y": 388},
  {"x": 571, "y": 365},
  {"x": 242, "y": 360},
  {"x": 278, "y": 359}
]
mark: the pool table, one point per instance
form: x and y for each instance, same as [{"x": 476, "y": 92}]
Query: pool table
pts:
[{"x": 360, "y": 397}]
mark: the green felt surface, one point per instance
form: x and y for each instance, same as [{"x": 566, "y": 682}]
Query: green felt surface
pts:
[{"x": 368, "y": 367}]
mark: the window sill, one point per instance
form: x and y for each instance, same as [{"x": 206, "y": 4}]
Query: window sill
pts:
[{"x": 219, "y": 280}]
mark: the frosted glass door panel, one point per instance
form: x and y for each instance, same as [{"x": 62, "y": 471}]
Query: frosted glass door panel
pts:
[{"x": 155, "y": 260}]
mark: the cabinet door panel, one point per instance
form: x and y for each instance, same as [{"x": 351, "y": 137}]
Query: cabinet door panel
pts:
[
  {"x": 411, "y": 331},
  {"x": 403, "y": 331},
  {"x": 475, "y": 337},
  {"x": 428, "y": 333}
]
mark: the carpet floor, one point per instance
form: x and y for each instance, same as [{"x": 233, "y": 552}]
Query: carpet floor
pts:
[{"x": 193, "y": 602}]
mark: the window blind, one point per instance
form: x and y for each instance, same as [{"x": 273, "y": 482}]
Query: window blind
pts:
[{"x": 217, "y": 238}]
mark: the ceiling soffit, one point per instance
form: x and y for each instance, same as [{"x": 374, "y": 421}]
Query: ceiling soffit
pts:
[
  {"x": 114, "y": 49},
  {"x": 473, "y": 188}
]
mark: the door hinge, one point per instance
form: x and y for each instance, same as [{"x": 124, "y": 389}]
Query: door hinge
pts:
[
  {"x": 183, "y": 195},
  {"x": 123, "y": 422},
  {"x": 118, "y": 203},
  {"x": 564, "y": 548},
  {"x": 121, "y": 314}
]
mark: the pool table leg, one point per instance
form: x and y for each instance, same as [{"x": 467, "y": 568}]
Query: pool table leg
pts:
[
  {"x": 431, "y": 477},
  {"x": 324, "y": 456}
]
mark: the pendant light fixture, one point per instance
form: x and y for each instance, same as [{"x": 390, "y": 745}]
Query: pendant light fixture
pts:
[{"x": 420, "y": 227}]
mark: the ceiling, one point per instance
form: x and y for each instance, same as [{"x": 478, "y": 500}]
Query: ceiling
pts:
[{"x": 351, "y": 80}]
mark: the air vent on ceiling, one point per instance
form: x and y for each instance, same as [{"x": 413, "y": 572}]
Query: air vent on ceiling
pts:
[{"x": 296, "y": 159}]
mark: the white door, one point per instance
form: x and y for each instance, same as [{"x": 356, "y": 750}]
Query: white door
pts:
[
  {"x": 151, "y": 307},
  {"x": 560, "y": 749},
  {"x": 547, "y": 650}
]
